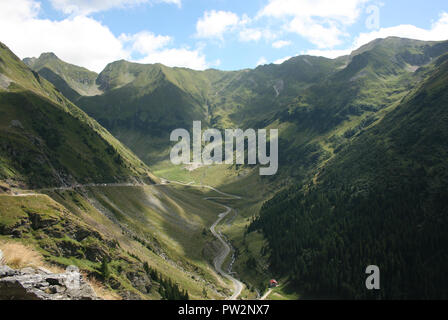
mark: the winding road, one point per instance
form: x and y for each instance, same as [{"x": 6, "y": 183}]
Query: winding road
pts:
[
  {"x": 266, "y": 294},
  {"x": 221, "y": 257},
  {"x": 218, "y": 261}
]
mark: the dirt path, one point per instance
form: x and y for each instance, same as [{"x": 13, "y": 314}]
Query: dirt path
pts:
[{"x": 23, "y": 195}]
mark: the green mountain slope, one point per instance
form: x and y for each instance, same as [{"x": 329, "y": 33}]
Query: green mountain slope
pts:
[
  {"x": 308, "y": 98},
  {"x": 380, "y": 201},
  {"x": 71, "y": 80},
  {"x": 142, "y": 104},
  {"x": 325, "y": 116},
  {"x": 48, "y": 141},
  {"x": 352, "y": 165},
  {"x": 247, "y": 98},
  {"x": 71, "y": 191},
  {"x": 137, "y": 242}
]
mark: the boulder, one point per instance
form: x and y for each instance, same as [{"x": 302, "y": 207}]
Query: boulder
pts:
[
  {"x": 41, "y": 284},
  {"x": 6, "y": 271}
]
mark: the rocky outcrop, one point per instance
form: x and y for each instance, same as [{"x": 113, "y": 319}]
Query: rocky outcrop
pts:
[
  {"x": 41, "y": 284},
  {"x": 139, "y": 281},
  {"x": 61, "y": 234}
]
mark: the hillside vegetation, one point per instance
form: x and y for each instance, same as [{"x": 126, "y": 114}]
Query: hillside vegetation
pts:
[
  {"x": 76, "y": 195},
  {"x": 47, "y": 141},
  {"x": 362, "y": 152},
  {"x": 71, "y": 80},
  {"x": 380, "y": 201}
]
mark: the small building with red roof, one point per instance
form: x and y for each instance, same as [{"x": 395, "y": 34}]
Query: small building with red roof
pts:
[{"x": 273, "y": 283}]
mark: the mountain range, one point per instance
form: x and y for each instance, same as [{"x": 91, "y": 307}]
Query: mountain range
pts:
[{"x": 362, "y": 173}]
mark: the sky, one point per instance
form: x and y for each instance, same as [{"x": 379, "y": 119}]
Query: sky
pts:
[{"x": 202, "y": 34}]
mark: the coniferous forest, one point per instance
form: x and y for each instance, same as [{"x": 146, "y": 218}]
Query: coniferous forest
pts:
[{"x": 382, "y": 201}]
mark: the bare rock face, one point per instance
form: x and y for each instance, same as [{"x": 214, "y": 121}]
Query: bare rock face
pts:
[{"x": 41, "y": 284}]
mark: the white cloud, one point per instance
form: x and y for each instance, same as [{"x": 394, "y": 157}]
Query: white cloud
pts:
[
  {"x": 192, "y": 59},
  {"x": 250, "y": 34},
  {"x": 83, "y": 41},
  {"x": 322, "y": 35},
  {"x": 146, "y": 42},
  {"x": 18, "y": 10},
  {"x": 437, "y": 32},
  {"x": 346, "y": 11},
  {"x": 281, "y": 44},
  {"x": 322, "y": 22},
  {"x": 255, "y": 34},
  {"x": 84, "y": 7},
  {"x": 262, "y": 61},
  {"x": 215, "y": 23},
  {"x": 154, "y": 49},
  {"x": 280, "y": 61},
  {"x": 331, "y": 54},
  {"x": 80, "y": 40}
]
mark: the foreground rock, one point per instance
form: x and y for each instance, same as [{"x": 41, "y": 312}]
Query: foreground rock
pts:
[{"x": 41, "y": 284}]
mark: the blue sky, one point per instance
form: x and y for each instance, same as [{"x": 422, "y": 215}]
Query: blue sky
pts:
[{"x": 200, "y": 34}]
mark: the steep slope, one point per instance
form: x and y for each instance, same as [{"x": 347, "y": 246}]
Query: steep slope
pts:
[
  {"x": 380, "y": 201},
  {"x": 310, "y": 99},
  {"x": 76, "y": 195},
  {"x": 71, "y": 80},
  {"x": 252, "y": 96},
  {"x": 142, "y": 104},
  {"x": 328, "y": 114},
  {"x": 348, "y": 128},
  {"x": 48, "y": 141},
  {"x": 138, "y": 242}
]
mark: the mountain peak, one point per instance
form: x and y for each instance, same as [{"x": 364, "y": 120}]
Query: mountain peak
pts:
[
  {"x": 73, "y": 81},
  {"x": 48, "y": 55},
  {"x": 43, "y": 58}
]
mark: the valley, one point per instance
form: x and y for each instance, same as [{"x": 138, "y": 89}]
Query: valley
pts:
[{"x": 86, "y": 179}]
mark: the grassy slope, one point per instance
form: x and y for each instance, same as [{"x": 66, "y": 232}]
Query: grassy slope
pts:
[
  {"x": 127, "y": 225},
  {"x": 378, "y": 91},
  {"x": 167, "y": 221},
  {"x": 46, "y": 140},
  {"x": 246, "y": 183},
  {"x": 381, "y": 200},
  {"x": 322, "y": 105},
  {"x": 319, "y": 104},
  {"x": 71, "y": 80},
  {"x": 61, "y": 237},
  {"x": 308, "y": 147},
  {"x": 160, "y": 225},
  {"x": 142, "y": 104}
]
